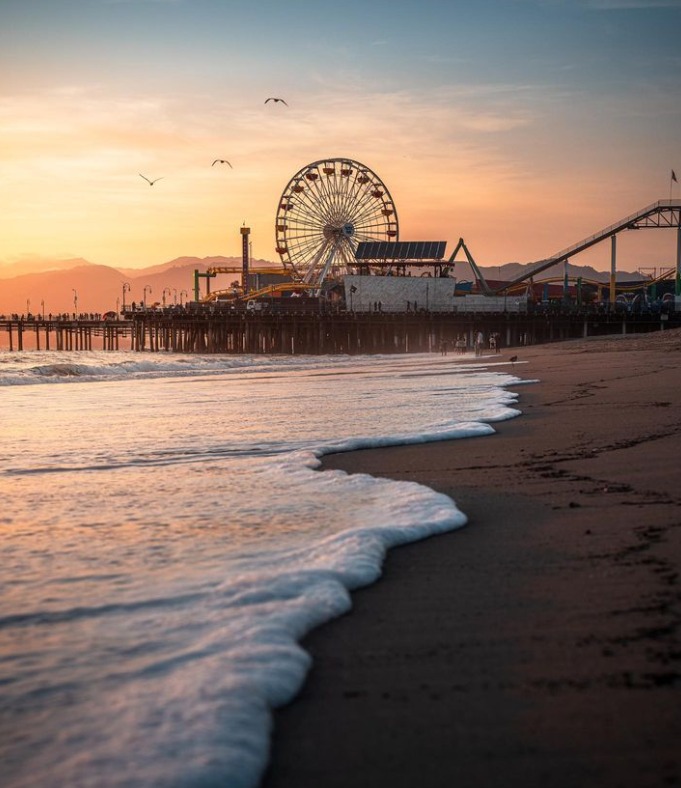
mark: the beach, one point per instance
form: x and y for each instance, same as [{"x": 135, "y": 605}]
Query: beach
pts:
[{"x": 539, "y": 645}]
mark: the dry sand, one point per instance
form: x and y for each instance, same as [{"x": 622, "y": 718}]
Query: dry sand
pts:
[{"x": 539, "y": 645}]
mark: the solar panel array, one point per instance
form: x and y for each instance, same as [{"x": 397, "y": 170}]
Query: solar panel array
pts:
[{"x": 400, "y": 250}]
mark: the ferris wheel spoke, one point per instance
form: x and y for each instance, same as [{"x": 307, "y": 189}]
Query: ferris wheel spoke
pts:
[
  {"x": 345, "y": 200},
  {"x": 345, "y": 195},
  {"x": 307, "y": 245},
  {"x": 364, "y": 205},
  {"x": 326, "y": 193},
  {"x": 305, "y": 204},
  {"x": 367, "y": 211},
  {"x": 302, "y": 251},
  {"x": 311, "y": 204},
  {"x": 308, "y": 242}
]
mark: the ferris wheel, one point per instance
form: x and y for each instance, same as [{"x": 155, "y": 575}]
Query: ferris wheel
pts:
[{"x": 326, "y": 209}]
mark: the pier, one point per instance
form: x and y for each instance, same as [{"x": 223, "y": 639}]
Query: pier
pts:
[
  {"x": 210, "y": 330},
  {"x": 63, "y": 333}
]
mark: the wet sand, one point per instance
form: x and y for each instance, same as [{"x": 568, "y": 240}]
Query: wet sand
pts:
[{"x": 539, "y": 645}]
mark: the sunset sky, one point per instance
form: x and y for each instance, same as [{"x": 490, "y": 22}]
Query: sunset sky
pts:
[{"x": 520, "y": 125}]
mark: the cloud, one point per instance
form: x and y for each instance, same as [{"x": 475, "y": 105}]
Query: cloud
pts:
[
  {"x": 625, "y": 5},
  {"x": 139, "y": 2}
]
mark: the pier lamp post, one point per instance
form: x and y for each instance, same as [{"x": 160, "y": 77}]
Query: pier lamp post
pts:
[
  {"x": 42, "y": 307},
  {"x": 182, "y": 293},
  {"x": 75, "y": 301},
  {"x": 175, "y": 296},
  {"x": 126, "y": 287},
  {"x": 163, "y": 295},
  {"x": 144, "y": 295},
  {"x": 28, "y": 307}
]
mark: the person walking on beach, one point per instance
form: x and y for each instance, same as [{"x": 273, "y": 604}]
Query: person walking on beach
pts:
[{"x": 479, "y": 342}]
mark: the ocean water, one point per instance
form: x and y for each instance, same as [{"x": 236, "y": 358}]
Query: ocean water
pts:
[{"x": 166, "y": 541}]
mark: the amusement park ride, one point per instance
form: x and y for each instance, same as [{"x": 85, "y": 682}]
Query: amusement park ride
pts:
[
  {"x": 336, "y": 218},
  {"x": 325, "y": 211}
]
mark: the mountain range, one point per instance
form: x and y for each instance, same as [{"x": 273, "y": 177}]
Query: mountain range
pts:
[
  {"x": 55, "y": 286},
  {"x": 66, "y": 285}
]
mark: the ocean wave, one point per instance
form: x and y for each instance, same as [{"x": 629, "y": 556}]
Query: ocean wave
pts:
[
  {"x": 41, "y": 367},
  {"x": 60, "y": 370}
]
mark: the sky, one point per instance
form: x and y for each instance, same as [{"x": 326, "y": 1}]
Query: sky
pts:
[{"x": 521, "y": 126}]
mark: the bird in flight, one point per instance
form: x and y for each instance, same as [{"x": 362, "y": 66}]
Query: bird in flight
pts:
[
  {"x": 151, "y": 183},
  {"x": 220, "y": 161},
  {"x": 273, "y": 98}
]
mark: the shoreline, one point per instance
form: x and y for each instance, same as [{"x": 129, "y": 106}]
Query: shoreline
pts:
[{"x": 540, "y": 643}]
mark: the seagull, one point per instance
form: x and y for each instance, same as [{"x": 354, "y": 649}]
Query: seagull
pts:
[
  {"x": 151, "y": 183},
  {"x": 220, "y": 161},
  {"x": 272, "y": 98},
  {"x": 513, "y": 359}
]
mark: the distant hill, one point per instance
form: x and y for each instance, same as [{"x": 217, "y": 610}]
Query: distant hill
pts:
[
  {"x": 36, "y": 265},
  {"x": 511, "y": 271},
  {"x": 99, "y": 288},
  {"x": 53, "y": 291},
  {"x": 50, "y": 284},
  {"x": 197, "y": 262}
]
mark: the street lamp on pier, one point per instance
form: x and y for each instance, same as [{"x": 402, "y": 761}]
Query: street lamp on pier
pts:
[
  {"x": 42, "y": 307},
  {"x": 75, "y": 301},
  {"x": 144, "y": 295},
  {"x": 182, "y": 293},
  {"x": 175, "y": 296},
  {"x": 126, "y": 287},
  {"x": 163, "y": 295},
  {"x": 28, "y": 307}
]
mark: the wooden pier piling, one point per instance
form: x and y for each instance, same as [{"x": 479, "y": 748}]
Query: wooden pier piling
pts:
[{"x": 200, "y": 330}]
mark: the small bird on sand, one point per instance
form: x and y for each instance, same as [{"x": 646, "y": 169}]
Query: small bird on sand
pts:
[
  {"x": 151, "y": 183},
  {"x": 273, "y": 98},
  {"x": 221, "y": 161},
  {"x": 513, "y": 359}
]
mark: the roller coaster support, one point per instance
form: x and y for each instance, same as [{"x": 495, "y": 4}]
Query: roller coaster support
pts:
[
  {"x": 613, "y": 270},
  {"x": 198, "y": 275},
  {"x": 478, "y": 273},
  {"x": 677, "y": 289}
]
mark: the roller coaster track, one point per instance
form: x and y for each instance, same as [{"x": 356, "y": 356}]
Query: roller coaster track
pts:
[
  {"x": 234, "y": 269},
  {"x": 263, "y": 292},
  {"x": 596, "y": 282},
  {"x": 661, "y": 214}
]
